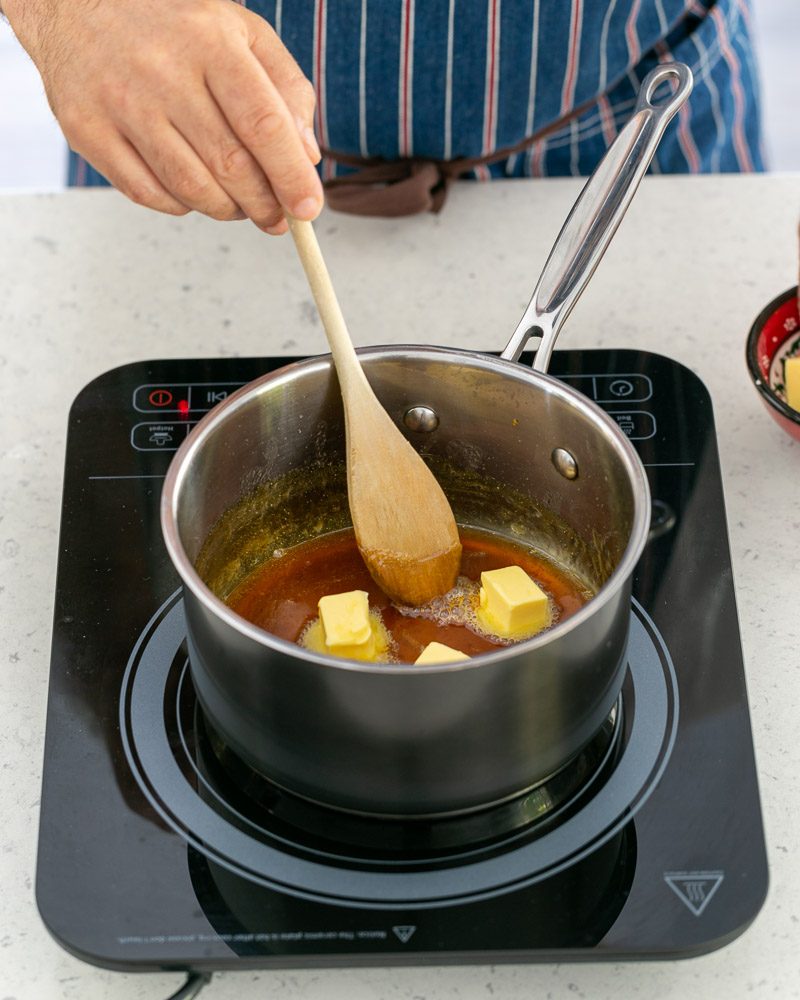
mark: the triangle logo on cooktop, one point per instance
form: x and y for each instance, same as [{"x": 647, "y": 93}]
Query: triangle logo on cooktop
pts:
[
  {"x": 404, "y": 932},
  {"x": 694, "y": 889}
]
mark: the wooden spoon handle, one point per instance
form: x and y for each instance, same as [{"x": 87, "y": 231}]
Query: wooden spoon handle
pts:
[
  {"x": 344, "y": 355},
  {"x": 404, "y": 526}
]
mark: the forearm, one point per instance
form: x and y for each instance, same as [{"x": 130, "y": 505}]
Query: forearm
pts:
[
  {"x": 32, "y": 21},
  {"x": 22, "y": 15}
]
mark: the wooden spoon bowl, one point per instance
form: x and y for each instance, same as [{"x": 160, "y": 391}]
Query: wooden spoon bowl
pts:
[{"x": 404, "y": 527}]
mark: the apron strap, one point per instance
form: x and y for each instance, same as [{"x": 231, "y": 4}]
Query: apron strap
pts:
[{"x": 391, "y": 188}]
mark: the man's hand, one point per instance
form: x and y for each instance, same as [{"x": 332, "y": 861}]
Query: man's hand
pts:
[{"x": 186, "y": 104}]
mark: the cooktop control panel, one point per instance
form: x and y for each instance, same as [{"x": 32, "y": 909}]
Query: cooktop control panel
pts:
[{"x": 169, "y": 410}]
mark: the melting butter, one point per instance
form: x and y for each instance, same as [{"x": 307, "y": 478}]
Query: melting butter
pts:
[
  {"x": 347, "y": 628},
  {"x": 437, "y": 652},
  {"x": 511, "y": 605}
]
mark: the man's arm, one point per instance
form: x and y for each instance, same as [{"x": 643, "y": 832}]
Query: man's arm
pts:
[{"x": 191, "y": 104}]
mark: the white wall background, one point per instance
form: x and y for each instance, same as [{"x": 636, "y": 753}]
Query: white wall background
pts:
[{"x": 33, "y": 155}]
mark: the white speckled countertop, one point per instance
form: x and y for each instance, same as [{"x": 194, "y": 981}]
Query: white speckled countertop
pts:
[{"x": 88, "y": 282}]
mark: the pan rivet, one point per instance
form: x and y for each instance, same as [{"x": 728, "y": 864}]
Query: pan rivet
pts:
[
  {"x": 565, "y": 463},
  {"x": 421, "y": 418}
]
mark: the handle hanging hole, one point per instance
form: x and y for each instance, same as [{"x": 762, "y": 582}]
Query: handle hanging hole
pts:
[
  {"x": 664, "y": 85},
  {"x": 663, "y": 92}
]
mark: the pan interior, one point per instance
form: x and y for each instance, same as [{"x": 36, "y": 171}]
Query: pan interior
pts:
[
  {"x": 307, "y": 503},
  {"x": 269, "y": 472}
]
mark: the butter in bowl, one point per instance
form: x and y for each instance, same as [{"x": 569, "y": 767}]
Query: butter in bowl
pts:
[{"x": 773, "y": 359}]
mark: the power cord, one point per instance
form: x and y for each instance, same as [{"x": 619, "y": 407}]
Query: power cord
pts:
[{"x": 195, "y": 981}]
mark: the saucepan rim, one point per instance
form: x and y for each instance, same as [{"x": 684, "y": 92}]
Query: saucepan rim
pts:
[{"x": 221, "y": 413}]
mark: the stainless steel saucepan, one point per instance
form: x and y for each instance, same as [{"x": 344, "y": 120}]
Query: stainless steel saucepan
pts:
[{"x": 517, "y": 452}]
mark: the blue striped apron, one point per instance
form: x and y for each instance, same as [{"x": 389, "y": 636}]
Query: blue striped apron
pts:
[{"x": 446, "y": 79}]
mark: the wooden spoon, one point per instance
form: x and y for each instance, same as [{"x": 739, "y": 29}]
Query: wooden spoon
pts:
[{"x": 405, "y": 529}]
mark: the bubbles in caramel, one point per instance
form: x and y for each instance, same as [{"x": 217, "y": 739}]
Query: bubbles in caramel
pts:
[{"x": 282, "y": 595}]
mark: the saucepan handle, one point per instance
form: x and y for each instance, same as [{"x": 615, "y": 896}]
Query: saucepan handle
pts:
[{"x": 596, "y": 214}]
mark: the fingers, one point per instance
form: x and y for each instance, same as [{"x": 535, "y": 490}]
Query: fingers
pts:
[
  {"x": 262, "y": 120},
  {"x": 198, "y": 163},
  {"x": 231, "y": 165},
  {"x": 122, "y": 166},
  {"x": 180, "y": 170}
]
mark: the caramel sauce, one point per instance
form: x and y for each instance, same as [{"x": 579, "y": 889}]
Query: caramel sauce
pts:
[{"x": 281, "y": 595}]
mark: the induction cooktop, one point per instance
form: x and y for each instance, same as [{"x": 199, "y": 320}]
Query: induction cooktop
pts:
[{"x": 159, "y": 849}]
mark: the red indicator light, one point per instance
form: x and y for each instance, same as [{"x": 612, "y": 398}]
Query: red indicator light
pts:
[{"x": 183, "y": 406}]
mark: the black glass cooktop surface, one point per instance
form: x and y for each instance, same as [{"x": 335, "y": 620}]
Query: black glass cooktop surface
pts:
[{"x": 159, "y": 849}]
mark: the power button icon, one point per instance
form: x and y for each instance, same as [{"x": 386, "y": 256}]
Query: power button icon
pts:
[{"x": 160, "y": 397}]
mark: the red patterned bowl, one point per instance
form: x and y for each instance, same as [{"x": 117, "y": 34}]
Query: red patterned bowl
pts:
[{"x": 774, "y": 336}]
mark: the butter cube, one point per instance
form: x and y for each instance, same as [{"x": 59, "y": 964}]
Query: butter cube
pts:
[
  {"x": 512, "y": 606},
  {"x": 346, "y": 629},
  {"x": 437, "y": 652},
  {"x": 792, "y": 380}
]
